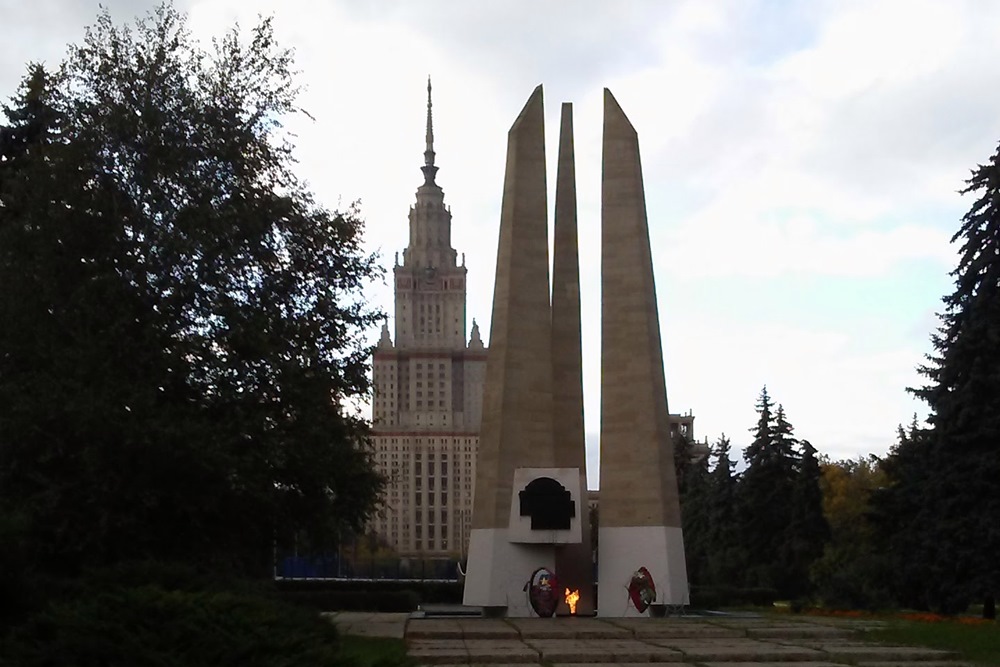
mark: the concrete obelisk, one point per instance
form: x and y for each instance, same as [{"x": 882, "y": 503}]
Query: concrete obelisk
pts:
[
  {"x": 574, "y": 562},
  {"x": 516, "y": 429},
  {"x": 640, "y": 517}
]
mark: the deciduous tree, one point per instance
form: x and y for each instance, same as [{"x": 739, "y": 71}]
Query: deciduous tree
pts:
[{"x": 181, "y": 325}]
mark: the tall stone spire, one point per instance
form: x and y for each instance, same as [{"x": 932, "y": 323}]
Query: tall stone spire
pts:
[
  {"x": 640, "y": 509},
  {"x": 574, "y": 562},
  {"x": 516, "y": 432},
  {"x": 430, "y": 224},
  {"x": 429, "y": 169}
]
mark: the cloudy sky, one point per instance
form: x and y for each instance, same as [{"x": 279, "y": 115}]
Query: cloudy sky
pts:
[{"x": 801, "y": 160}]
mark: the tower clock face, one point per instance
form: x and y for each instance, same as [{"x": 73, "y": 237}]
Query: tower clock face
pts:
[{"x": 429, "y": 273}]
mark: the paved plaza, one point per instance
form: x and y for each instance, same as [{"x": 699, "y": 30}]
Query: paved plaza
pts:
[{"x": 723, "y": 641}]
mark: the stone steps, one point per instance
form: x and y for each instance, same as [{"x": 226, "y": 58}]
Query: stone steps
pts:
[{"x": 671, "y": 642}]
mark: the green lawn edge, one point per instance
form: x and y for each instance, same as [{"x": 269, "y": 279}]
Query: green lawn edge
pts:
[
  {"x": 374, "y": 651},
  {"x": 978, "y": 643}
]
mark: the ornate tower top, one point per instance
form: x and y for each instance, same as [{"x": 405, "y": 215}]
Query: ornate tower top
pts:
[{"x": 429, "y": 169}]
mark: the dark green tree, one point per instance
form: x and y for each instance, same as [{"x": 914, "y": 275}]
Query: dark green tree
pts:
[
  {"x": 726, "y": 555},
  {"x": 766, "y": 496},
  {"x": 181, "y": 328},
  {"x": 31, "y": 121},
  {"x": 808, "y": 531},
  {"x": 904, "y": 525},
  {"x": 957, "y": 506},
  {"x": 695, "y": 508}
]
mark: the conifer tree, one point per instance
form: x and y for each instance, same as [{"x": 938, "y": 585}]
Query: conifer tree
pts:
[
  {"x": 766, "y": 496},
  {"x": 808, "y": 532},
  {"x": 726, "y": 555},
  {"x": 959, "y": 509},
  {"x": 695, "y": 516},
  {"x": 902, "y": 518}
]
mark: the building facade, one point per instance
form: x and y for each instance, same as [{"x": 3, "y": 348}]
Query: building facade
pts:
[{"x": 428, "y": 387}]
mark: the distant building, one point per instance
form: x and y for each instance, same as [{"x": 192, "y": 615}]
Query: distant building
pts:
[{"x": 428, "y": 387}]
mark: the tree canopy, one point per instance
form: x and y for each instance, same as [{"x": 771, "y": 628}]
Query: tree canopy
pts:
[{"x": 182, "y": 325}]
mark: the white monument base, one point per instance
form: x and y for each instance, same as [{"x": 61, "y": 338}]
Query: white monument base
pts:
[
  {"x": 498, "y": 570},
  {"x": 623, "y": 550}
]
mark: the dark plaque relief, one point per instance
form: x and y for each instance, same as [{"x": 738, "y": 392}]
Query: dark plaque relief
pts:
[{"x": 548, "y": 503}]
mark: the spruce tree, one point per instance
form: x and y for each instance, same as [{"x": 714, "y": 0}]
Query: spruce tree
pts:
[
  {"x": 766, "y": 497},
  {"x": 695, "y": 517},
  {"x": 902, "y": 519},
  {"x": 959, "y": 509},
  {"x": 726, "y": 554},
  {"x": 808, "y": 532}
]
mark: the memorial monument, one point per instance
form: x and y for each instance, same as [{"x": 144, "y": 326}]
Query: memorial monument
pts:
[
  {"x": 524, "y": 506},
  {"x": 530, "y": 525}
]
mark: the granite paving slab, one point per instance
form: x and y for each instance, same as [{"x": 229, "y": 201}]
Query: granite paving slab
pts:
[
  {"x": 482, "y": 652},
  {"x": 567, "y": 627},
  {"x": 590, "y": 642},
  {"x": 911, "y": 663},
  {"x": 775, "y": 664},
  {"x": 624, "y": 664},
  {"x": 729, "y": 642},
  {"x": 799, "y": 630},
  {"x": 770, "y": 653},
  {"x": 649, "y": 627},
  {"x": 434, "y": 628},
  {"x": 564, "y": 653},
  {"x": 879, "y": 652},
  {"x": 641, "y": 652},
  {"x": 487, "y": 628}
]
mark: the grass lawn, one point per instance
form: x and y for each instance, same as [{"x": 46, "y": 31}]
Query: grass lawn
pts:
[
  {"x": 374, "y": 651},
  {"x": 978, "y": 643}
]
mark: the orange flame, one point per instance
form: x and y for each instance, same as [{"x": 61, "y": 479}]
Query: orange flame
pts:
[{"x": 572, "y": 597}]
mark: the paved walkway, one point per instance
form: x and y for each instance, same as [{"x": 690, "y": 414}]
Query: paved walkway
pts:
[{"x": 678, "y": 642}]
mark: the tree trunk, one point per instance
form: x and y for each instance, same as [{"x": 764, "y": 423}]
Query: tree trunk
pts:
[{"x": 990, "y": 607}]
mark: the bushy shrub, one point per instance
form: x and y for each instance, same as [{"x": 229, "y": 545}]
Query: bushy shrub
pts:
[
  {"x": 709, "y": 597},
  {"x": 427, "y": 592},
  {"x": 152, "y": 626}
]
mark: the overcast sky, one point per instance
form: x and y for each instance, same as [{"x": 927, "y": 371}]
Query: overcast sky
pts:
[{"x": 801, "y": 160}]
